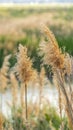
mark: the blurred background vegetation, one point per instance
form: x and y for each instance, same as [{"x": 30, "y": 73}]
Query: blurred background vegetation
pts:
[{"x": 23, "y": 25}]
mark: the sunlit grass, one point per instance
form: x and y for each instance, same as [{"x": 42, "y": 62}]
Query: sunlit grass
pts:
[{"x": 40, "y": 114}]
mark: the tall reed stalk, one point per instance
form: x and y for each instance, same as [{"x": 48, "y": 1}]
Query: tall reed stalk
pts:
[
  {"x": 26, "y": 107},
  {"x": 25, "y": 71},
  {"x": 61, "y": 68}
]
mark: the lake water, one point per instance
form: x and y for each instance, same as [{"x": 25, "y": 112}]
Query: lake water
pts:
[{"x": 49, "y": 93}]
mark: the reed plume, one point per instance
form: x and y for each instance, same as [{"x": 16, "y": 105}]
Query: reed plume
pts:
[
  {"x": 4, "y": 73},
  {"x": 53, "y": 56},
  {"x": 25, "y": 71}
]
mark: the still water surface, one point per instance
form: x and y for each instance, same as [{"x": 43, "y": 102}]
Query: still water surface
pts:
[{"x": 49, "y": 93}]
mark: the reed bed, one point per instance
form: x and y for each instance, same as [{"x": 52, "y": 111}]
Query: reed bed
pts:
[{"x": 38, "y": 115}]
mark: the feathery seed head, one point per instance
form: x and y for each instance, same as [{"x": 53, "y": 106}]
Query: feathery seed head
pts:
[
  {"x": 24, "y": 65},
  {"x": 5, "y": 66},
  {"x": 52, "y": 53},
  {"x": 68, "y": 64}
]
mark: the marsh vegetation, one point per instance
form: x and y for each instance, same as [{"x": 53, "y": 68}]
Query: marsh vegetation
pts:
[{"x": 31, "y": 59}]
